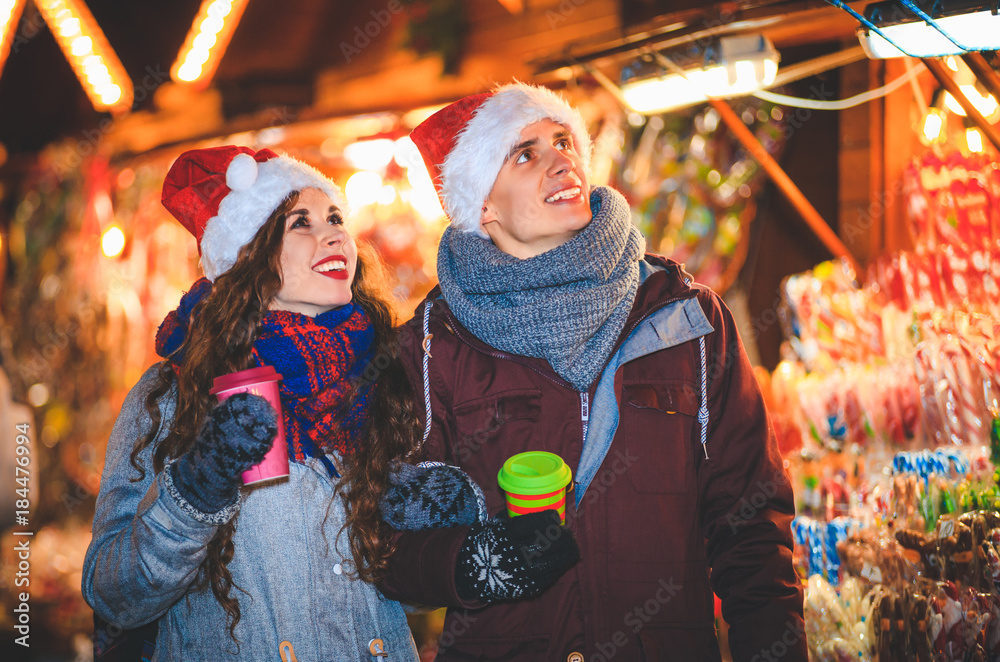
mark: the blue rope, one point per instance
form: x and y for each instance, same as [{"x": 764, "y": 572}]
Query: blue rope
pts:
[
  {"x": 868, "y": 24},
  {"x": 909, "y": 4}
]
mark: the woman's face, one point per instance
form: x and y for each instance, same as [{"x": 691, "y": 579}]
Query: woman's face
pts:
[{"x": 318, "y": 257}]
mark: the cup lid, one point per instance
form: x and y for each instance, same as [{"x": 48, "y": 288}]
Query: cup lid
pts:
[
  {"x": 264, "y": 373},
  {"x": 534, "y": 472}
]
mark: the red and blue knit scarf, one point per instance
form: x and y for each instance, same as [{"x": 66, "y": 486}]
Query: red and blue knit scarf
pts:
[{"x": 321, "y": 360}]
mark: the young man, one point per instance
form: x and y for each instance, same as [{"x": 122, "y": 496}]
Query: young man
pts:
[{"x": 552, "y": 331}]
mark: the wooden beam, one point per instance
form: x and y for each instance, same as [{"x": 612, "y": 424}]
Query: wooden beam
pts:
[
  {"x": 785, "y": 184},
  {"x": 984, "y": 72},
  {"x": 940, "y": 72}
]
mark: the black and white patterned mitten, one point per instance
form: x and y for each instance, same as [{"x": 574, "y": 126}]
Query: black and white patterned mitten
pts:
[
  {"x": 235, "y": 435},
  {"x": 514, "y": 558},
  {"x": 431, "y": 495}
]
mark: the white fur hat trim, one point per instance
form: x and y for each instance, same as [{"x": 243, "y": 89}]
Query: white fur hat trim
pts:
[
  {"x": 257, "y": 193},
  {"x": 482, "y": 147}
]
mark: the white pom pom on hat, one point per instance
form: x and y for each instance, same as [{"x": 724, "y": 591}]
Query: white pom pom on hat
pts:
[
  {"x": 224, "y": 195},
  {"x": 241, "y": 173}
]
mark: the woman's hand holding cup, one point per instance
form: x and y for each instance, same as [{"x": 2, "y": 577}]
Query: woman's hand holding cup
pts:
[{"x": 234, "y": 436}]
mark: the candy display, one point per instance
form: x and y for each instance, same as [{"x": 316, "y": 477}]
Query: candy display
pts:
[{"x": 887, "y": 408}]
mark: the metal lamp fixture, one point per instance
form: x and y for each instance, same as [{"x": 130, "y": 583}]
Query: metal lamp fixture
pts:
[
  {"x": 929, "y": 28},
  {"x": 726, "y": 67}
]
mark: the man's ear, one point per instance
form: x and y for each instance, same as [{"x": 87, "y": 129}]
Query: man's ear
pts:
[{"x": 487, "y": 216}]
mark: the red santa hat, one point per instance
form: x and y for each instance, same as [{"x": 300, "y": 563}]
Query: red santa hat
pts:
[
  {"x": 223, "y": 195},
  {"x": 465, "y": 144}
]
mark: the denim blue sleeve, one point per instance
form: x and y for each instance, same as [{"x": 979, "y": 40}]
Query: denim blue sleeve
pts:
[{"x": 146, "y": 548}]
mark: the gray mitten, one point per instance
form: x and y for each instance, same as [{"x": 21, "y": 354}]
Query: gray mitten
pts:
[
  {"x": 235, "y": 435},
  {"x": 431, "y": 495}
]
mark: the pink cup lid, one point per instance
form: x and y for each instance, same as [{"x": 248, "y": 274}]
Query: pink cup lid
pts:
[{"x": 233, "y": 380}]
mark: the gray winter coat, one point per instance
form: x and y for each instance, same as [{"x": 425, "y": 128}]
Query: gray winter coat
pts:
[{"x": 146, "y": 551}]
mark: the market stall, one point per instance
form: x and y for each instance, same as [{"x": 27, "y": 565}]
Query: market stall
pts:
[{"x": 885, "y": 396}]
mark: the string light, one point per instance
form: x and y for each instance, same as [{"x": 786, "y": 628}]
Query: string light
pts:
[
  {"x": 932, "y": 127},
  {"x": 207, "y": 40},
  {"x": 984, "y": 103},
  {"x": 113, "y": 241},
  {"x": 10, "y": 16},
  {"x": 93, "y": 60},
  {"x": 974, "y": 140}
]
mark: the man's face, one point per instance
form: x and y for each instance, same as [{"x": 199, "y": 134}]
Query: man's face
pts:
[{"x": 540, "y": 199}]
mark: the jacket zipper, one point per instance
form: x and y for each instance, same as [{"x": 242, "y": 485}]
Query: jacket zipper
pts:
[{"x": 584, "y": 396}]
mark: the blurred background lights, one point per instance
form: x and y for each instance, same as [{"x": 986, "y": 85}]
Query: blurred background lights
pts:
[
  {"x": 974, "y": 139},
  {"x": 933, "y": 124},
  {"x": 38, "y": 395},
  {"x": 220, "y": 9},
  {"x": 93, "y": 60},
  {"x": 10, "y": 16},
  {"x": 406, "y": 153},
  {"x": 387, "y": 195},
  {"x": 207, "y": 40},
  {"x": 113, "y": 241},
  {"x": 363, "y": 188},
  {"x": 369, "y": 154},
  {"x": 423, "y": 197},
  {"x": 330, "y": 148},
  {"x": 984, "y": 103},
  {"x": 69, "y": 26},
  {"x": 189, "y": 71}
]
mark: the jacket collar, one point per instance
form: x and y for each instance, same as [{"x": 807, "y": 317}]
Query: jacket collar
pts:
[{"x": 663, "y": 281}]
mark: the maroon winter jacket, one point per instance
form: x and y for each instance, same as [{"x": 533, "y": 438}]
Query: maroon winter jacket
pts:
[{"x": 659, "y": 526}]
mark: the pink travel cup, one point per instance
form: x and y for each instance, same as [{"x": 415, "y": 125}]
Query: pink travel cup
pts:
[{"x": 261, "y": 381}]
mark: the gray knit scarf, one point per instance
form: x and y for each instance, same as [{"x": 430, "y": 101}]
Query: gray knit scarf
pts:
[{"x": 567, "y": 305}]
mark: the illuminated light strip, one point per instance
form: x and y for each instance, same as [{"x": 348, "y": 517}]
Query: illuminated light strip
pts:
[
  {"x": 10, "y": 16},
  {"x": 93, "y": 60},
  {"x": 207, "y": 40},
  {"x": 513, "y": 6}
]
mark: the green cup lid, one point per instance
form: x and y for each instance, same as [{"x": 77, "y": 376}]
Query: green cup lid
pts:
[{"x": 534, "y": 472}]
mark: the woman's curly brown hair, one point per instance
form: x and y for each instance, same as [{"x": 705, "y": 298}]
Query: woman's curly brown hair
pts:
[{"x": 220, "y": 338}]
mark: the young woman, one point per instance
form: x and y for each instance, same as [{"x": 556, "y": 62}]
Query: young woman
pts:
[{"x": 261, "y": 572}]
